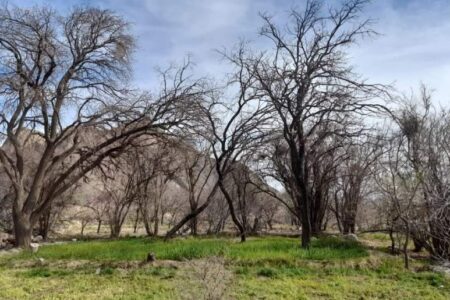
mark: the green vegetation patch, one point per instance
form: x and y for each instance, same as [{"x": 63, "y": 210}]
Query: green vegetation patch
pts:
[
  {"x": 261, "y": 268},
  {"x": 255, "y": 250}
]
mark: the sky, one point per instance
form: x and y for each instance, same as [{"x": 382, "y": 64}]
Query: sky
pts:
[{"x": 413, "y": 45}]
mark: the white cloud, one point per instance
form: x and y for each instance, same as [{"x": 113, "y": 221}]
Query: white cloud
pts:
[{"x": 414, "y": 45}]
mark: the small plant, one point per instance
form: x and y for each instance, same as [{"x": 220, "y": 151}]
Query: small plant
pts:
[
  {"x": 213, "y": 276},
  {"x": 267, "y": 272}
]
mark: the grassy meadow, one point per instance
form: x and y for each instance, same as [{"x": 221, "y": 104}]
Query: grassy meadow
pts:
[{"x": 217, "y": 268}]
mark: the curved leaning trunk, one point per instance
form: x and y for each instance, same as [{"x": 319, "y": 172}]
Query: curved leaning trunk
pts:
[
  {"x": 235, "y": 219},
  {"x": 192, "y": 214}
]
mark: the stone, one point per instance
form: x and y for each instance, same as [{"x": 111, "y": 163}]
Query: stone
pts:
[
  {"x": 9, "y": 246},
  {"x": 34, "y": 247},
  {"x": 41, "y": 260},
  {"x": 37, "y": 239},
  {"x": 97, "y": 271},
  {"x": 74, "y": 240},
  {"x": 442, "y": 268},
  {"x": 3, "y": 236},
  {"x": 151, "y": 257},
  {"x": 351, "y": 237}
]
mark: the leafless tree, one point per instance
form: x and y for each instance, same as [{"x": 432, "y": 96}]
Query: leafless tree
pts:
[
  {"x": 217, "y": 215},
  {"x": 244, "y": 195},
  {"x": 241, "y": 132},
  {"x": 63, "y": 78},
  {"x": 97, "y": 206},
  {"x": 401, "y": 188},
  {"x": 119, "y": 192},
  {"x": 54, "y": 213},
  {"x": 154, "y": 166},
  {"x": 306, "y": 81},
  {"x": 353, "y": 180},
  {"x": 232, "y": 128},
  {"x": 197, "y": 172},
  {"x": 422, "y": 147}
]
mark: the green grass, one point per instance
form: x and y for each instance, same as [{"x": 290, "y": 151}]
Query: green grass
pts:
[
  {"x": 253, "y": 251},
  {"x": 261, "y": 268}
]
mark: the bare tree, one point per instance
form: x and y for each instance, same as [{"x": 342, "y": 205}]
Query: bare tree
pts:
[
  {"x": 353, "y": 176},
  {"x": 422, "y": 150},
  {"x": 62, "y": 76},
  {"x": 97, "y": 208},
  {"x": 217, "y": 214},
  {"x": 119, "y": 193},
  {"x": 197, "y": 171},
  {"x": 401, "y": 189},
  {"x": 240, "y": 133},
  {"x": 54, "y": 213},
  {"x": 307, "y": 82},
  {"x": 233, "y": 127},
  {"x": 155, "y": 165}
]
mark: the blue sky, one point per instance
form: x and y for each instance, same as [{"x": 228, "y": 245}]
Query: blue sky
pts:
[{"x": 414, "y": 45}]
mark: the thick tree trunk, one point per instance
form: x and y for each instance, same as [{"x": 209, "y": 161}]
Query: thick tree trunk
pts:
[
  {"x": 22, "y": 230},
  {"x": 303, "y": 201},
  {"x": 115, "y": 229},
  {"x": 306, "y": 235},
  {"x": 316, "y": 228},
  {"x": 243, "y": 237},
  {"x": 349, "y": 223}
]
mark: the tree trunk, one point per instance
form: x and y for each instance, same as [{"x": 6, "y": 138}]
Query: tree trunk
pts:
[
  {"x": 156, "y": 226},
  {"x": 243, "y": 237},
  {"x": 441, "y": 248},
  {"x": 418, "y": 244},
  {"x": 22, "y": 230},
  {"x": 44, "y": 224},
  {"x": 99, "y": 226},
  {"x": 255, "y": 227},
  {"x": 192, "y": 214},
  {"x": 306, "y": 235},
  {"x": 305, "y": 221},
  {"x": 193, "y": 226},
  {"x": 115, "y": 229},
  {"x": 316, "y": 228},
  {"x": 83, "y": 225},
  {"x": 391, "y": 236},
  {"x": 270, "y": 224},
  {"x": 148, "y": 228},
  {"x": 349, "y": 226},
  {"x": 136, "y": 221},
  {"x": 232, "y": 212},
  {"x": 405, "y": 247}
]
